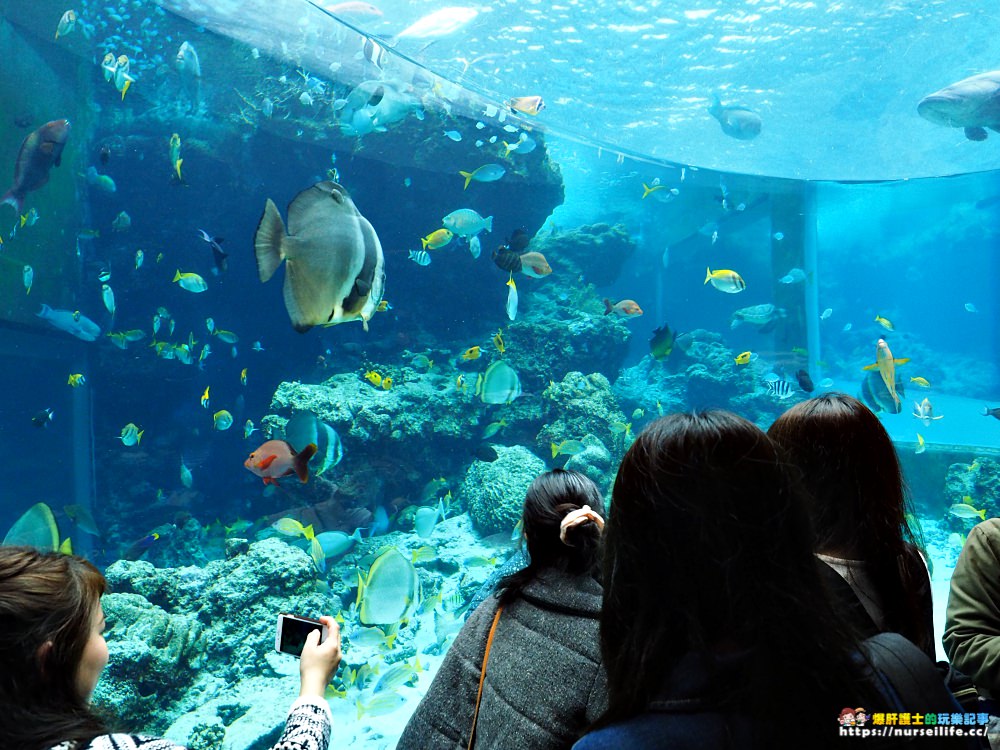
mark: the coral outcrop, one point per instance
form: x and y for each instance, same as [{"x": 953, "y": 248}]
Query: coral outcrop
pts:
[{"x": 494, "y": 491}]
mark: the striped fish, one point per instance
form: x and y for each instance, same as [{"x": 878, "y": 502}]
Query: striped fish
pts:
[
  {"x": 420, "y": 257},
  {"x": 780, "y": 389}
]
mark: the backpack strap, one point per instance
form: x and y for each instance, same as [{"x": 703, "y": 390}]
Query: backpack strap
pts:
[
  {"x": 913, "y": 677},
  {"x": 482, "y": 675}
]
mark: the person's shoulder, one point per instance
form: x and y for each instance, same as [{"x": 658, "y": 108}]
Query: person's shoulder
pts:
[{"x": 131, "y": 742}]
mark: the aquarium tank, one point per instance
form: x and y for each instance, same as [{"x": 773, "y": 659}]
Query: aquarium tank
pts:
[{"x": 435, "y": 250}]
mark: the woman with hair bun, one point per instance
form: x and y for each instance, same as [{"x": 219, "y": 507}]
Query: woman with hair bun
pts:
[{"x": 543, "y": 682}]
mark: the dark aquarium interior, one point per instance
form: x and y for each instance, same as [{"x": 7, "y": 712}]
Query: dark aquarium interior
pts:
[{"x": 551, "y": 226}]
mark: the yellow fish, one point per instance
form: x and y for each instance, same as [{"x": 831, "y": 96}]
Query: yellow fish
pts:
[
  {"x": 436, "y": 239},
  {"x": 743, "y": 359},
  {"x": 386, "y": 383},
  {"x": 725, "y": 280},
  {"x": 383, "y": 306},
  {"x": 204, "y": 397},
  {"x": 922, "y": 382},
  {"x": 885, "y": 323},
  {"x": 76, "y": 380},
  {"x": 498, "y": 342},
  {"x": 374, "y": 378},
  {"x": 460, "y": 383},
  {"x": 471, "y": 353},
  {"x": 920, "y": 444},
  {"x": 886, "y": 366},
  {"x": 243, "y": 376},
  {"x": 646, "y": 189},
  {"x": 965, "y": 509},
  {"x": 974, "y": 465}
]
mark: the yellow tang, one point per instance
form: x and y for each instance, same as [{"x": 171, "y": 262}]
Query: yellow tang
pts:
[
  {"x": 389, "y": 592},
  {"x": 744, "y": 358},
  {"x": 386, "y": 383},
  {"x": 374, "y": 378}
]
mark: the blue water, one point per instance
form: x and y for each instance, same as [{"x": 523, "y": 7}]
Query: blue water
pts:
[{"x": 626, "y": 90}]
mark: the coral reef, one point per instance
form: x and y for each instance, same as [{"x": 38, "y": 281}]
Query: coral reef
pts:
[
  {"x": 494, "y": 491},
  {"x": 596, "y": 463},
  {"x": 579, "y": 405},
  {"x": 700, "y": 373},
  {"x": 979, "y": 481},
  {"x": 585, "y": 339},
  {"x": 594, "y": 253}
]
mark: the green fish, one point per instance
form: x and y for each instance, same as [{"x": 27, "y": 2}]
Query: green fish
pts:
[{"x": 567, "y": 448}]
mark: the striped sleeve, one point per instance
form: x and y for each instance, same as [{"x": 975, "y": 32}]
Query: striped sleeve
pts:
[{"x": 308, "y": 726}]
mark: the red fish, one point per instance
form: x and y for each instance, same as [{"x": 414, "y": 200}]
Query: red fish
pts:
[
  {"x": 40, "y": 151},
  {"x": 277, "y": 458},
  {"x": 625, "y": 308}
]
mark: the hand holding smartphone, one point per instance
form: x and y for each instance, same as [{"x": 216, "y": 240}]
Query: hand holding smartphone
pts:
[{"x": 292, "y": 631}]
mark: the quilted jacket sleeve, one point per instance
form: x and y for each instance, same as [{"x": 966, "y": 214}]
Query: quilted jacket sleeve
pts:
[{"x": 972, "y": 628}]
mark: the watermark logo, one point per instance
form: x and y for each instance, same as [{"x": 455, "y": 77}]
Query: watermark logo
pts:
[{"x": 856, "y": 722}]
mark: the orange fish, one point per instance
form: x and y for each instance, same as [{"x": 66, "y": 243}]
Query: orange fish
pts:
[
  {"x": 277, "y": 458},
  {"x": 625, "y": 308},
  {"x": 529, "y": 105},
  {"x": 534, "y": 264}
]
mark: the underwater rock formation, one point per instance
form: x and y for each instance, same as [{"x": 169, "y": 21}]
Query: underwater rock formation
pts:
[
  {"x": 979, "y": 481},
  {"x": 596, "y": 462},
  {"x": 594, "y": 253},
  {"x": 155, "y": 657},
  {"x": 700, "y": 373},
  {"x": 494, "y": 491},
  {"x": 564, "y": 330},
  {"x": 582, "y": 405}
]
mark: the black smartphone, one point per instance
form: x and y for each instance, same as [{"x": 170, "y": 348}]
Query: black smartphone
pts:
[{"x": 292, "y": 631}]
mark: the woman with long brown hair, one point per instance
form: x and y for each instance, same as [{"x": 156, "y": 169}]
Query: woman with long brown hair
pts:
[{"x": 857, "y": 502}]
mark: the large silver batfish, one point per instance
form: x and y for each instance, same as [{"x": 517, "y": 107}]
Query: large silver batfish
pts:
[
  {"x": 972, "y": 103},
  {"x": 334, "y": 270}
]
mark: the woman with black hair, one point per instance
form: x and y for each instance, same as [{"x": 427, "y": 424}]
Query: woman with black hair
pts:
[
  {"x": 856, "y": 499},
  {"x": 542, "y": 683},
  {"x": 715, "y": 630}
]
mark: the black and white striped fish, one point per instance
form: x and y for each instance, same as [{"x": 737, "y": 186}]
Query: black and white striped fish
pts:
[
  {"x": 420, "y": 257},
  {"x": 780, "y": 389},
  {"x": 374, "y": 52}
]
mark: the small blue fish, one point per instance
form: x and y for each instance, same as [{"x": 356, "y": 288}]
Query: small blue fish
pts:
[
  {"x": 453, "y": 135},
  {"x": 485, "y": 173}
]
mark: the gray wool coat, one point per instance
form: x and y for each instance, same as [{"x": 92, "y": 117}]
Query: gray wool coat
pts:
[{"x": 544, "y": 682}]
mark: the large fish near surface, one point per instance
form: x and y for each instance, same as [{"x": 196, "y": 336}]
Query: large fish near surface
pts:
[
  {"x": 972, "y": 104},
  {"x": 736, "y": 121},
  {"x": 40, "y": 151},
  {"x": 335, "y": 270}
]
